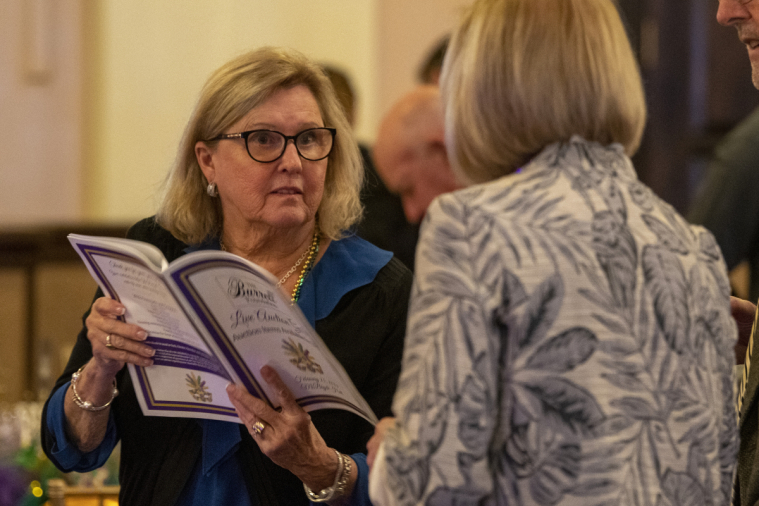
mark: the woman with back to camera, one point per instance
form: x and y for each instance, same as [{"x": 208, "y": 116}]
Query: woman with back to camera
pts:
[
  {"x": 268, "y": 170},
  {"x": 569, "y": 336}
]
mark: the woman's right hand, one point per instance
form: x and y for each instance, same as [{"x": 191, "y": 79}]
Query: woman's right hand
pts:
[
  {"x": 87, "y": 427},
  {"x": 127, "y": 340}
]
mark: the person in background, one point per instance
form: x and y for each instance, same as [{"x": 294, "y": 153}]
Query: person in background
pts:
[
  {"x": 383, "y": 223},
  {"x": 410, "y": 151},
  {"x": 429, "y": 72},
  {"x": 727, "y": 202},
  {"x": 268, "y": 170},
  {"x": 570, "y": 340},
  {"x": 744, "y": 16}
]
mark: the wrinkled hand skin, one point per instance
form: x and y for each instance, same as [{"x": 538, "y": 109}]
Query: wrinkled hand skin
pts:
[
  {"x": 743, "y": 312},
  {"x": 289, "y": 438},
  {"x": 87, "y": 428},
  {"x": 126, "y": 338}
]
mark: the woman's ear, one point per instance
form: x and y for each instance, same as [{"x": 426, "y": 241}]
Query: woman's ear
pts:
[{"x": 205, "y": 158}]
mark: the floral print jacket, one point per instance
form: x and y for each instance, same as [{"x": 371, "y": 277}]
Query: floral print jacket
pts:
[{"x": 569, "y": 342}]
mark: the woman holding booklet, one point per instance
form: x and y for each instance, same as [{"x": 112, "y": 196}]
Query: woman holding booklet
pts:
[{"x": 268, "y": 170}]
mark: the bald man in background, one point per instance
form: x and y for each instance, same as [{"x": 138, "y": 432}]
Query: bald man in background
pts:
[
  {"x": 384, "y": 223},
  {"x": 409, "y": 153}
]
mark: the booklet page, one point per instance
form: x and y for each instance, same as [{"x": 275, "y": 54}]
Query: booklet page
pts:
[
  {"x": 253, "y": 324},
  {"x": 186, "y": 379}
]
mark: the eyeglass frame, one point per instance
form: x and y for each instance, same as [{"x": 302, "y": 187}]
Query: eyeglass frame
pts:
[{"x": 244, "y": 136}]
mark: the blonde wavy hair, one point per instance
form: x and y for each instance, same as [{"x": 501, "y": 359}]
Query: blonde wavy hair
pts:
[
  {"x": 520, "y": 75},
  {"x": 230, "y": 93}
]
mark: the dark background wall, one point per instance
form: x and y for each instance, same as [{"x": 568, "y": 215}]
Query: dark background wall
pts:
[{"x": 697, "y": 78}]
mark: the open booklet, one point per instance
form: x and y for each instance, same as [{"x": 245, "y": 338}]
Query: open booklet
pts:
[{"x": 214, "y": 318}]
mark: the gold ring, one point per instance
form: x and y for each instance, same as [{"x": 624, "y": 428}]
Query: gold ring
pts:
[
  {"x": 258, "y": 428},
  {"x": 108, "y": 343}
]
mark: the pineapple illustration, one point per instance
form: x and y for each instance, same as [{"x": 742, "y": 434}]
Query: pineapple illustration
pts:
[
  {"x": 300, "y": 357},
  {"x": 198, "y": 388}
]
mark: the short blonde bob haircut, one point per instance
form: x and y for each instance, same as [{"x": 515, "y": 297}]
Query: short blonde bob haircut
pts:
[
  {"x": 520, "y": 75},
  {"x": 229, "y": 94}
]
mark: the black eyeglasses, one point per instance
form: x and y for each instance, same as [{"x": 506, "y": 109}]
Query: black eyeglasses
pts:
[{"x": 266, "y": 146}]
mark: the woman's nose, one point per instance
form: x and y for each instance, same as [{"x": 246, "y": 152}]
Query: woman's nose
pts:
[{"x": 291, "y": 158}]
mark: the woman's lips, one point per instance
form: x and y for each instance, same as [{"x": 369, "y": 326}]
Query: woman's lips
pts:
[{"x": 287, "y": 191}]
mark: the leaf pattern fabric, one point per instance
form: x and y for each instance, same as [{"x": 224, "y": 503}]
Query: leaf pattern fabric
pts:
[{"x": 570, "y": 343}]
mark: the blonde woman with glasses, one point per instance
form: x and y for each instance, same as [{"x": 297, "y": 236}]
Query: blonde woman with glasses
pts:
[{"x": 268, "y": 170}]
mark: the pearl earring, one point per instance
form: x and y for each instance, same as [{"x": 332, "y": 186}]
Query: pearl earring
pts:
[{"x": 211, "y": 190}]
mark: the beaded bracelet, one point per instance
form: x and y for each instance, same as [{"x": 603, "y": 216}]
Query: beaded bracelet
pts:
[
  {"x": 338, "y": 487},
  {"x": 87, "y": 405}
]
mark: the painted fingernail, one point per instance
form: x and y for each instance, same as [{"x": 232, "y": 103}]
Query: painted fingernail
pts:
[
  {"x": 147, "y": 362},
  {"x": 150, "y": 351},
  {"x": 121, "y": 310},
  {"x": 142, "y": 335},
  {"x": 267, "y": 372}
]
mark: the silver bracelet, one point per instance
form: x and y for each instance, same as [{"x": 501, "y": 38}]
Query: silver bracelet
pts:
[
  {"x": 87, "y": 405},
  {"x": 338, "y": 487}
]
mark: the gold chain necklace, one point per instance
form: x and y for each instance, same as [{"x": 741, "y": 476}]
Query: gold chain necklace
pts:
[
  {"x": 292, "y": 269},
  {"x": 310, "y": 253},
  {"x": 313, "y": 251}
]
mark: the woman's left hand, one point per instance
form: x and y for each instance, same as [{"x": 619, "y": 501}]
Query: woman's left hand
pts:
[
  {"x": 375, "y": 441},
  {"x": 288, "y": 436},
  {"x": 743, "y": 312}
]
